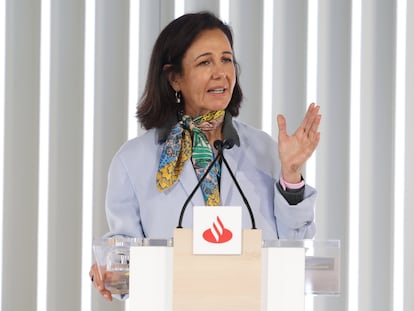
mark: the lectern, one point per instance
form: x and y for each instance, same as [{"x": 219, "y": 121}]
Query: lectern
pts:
[{"x": 268, "y": 275}]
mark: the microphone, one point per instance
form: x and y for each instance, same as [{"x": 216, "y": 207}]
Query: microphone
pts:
[
  {"x": 227, "y": 144},
  {"x": 219, "y": 155},
  {"x": 220, "y": 146}
]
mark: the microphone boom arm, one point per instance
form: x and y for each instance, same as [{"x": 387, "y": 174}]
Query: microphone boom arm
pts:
[
  {"x": 180, "y": 221},
  {"x": 241, "y": 193},
  {"x": 220, "y": 146}
]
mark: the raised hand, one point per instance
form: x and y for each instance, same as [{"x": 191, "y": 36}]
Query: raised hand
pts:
[{"x": 296, "y": 149}]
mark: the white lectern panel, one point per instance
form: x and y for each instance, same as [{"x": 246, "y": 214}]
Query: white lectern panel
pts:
[
  {"x": 150, "y": 279},
  {"x": 283, "y": 279}
]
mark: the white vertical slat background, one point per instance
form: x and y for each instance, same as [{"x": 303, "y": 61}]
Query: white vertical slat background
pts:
[
  {"x": 51, "y": 145},
  {"x": 333, "y": 94},
  {"x": 377, "y": 143},
  {"x": 64, "y": 227},
  {"x": 21, "y": 141},
  {"x": 289, "y": 62},
  {"x": 111, "y": 107},
  {"x": 2, "y": 119},
  {"x": 249, "y": 57},
  {"x": 408, "y": 225}
]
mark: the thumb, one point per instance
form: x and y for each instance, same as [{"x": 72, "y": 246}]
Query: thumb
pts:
[{"x": 281, "y": 123}]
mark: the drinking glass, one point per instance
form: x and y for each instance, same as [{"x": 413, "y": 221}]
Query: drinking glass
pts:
[{"x": 112, "y": 258}]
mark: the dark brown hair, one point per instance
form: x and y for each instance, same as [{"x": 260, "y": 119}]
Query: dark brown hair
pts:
[{"x": 158, "y": 103}]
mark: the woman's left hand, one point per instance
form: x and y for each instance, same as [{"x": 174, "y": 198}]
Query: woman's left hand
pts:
[{"x": 296, "y": 149}]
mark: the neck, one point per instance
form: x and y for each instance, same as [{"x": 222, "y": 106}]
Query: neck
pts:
[{"x": 214, "y": 135}]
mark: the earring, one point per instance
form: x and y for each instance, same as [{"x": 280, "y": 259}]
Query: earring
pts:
[{"x": 178, "y": 97}]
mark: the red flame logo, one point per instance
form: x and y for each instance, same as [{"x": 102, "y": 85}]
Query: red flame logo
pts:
[{"x": 217, "y": 233}]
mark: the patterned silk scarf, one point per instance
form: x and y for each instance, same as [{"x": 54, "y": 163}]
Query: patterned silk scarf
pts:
[{"x": 187, "y": 140}]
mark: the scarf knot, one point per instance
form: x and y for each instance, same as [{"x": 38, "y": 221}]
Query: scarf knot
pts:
[{"x": 187, "y": 140}]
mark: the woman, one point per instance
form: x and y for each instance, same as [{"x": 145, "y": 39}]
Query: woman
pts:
[{"x": 191, "y": 97}]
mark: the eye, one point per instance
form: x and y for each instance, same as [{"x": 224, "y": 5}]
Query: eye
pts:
[
  {"x": 204, "y": 63},
  {"x": 227, "y": 60}
]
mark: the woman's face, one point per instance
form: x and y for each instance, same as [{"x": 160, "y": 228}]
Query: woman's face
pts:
[{"x": 209, "y": 75}]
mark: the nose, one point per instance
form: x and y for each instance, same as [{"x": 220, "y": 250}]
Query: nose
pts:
[{"x": 219, "y": 72}]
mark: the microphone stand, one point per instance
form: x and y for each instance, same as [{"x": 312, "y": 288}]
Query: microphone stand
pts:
[
  {"x": 219, "y": 155},
  {"x": 220, "y": 146},
  {"x": 241, "y": 192}
]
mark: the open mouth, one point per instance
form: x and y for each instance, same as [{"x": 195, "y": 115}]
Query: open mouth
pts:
[{"x": 217, "y": 90}]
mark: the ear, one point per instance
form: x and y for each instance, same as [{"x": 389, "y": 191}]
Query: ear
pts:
[{"x": 173, "y": 78}]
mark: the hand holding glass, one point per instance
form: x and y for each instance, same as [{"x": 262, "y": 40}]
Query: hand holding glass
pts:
[{"x": 112, "y": 257}]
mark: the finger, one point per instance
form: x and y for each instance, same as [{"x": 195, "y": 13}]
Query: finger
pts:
[
  {"x": 99, "y": 283},
  {"x": 281, "y": 123},
  {"x": 94, "y": 273},
  {"x": 310, "y": 117},
  {"x": 96, "y": 278},
  {"x": 315, "y": 141},
  {"x": 107, "y": 295},
  {"x": 100, "y": 286},
  {"x": 305, "y": 119},
  {"x": 104, "y": 292},
  {"x": 314, "y": 126}
]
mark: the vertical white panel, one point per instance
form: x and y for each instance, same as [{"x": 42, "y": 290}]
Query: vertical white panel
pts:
[
  {"x": 332, "y": 178},
  {"x": 377, "y": 143},
  {"x": 409, "y": 164},
  {"x": 111, "y": 96},
  {"x": 166, "y": 13},
  {"x": 202, "y": 5},
  {"x": 42, "y": 257},
  {"x": 267, "y": 78},
  {"x": 289, "y": 62},
  {"x": 399, "y": 160},
  {"x": 110, "y": 110},
  {"x": 65, "y": 156},
  {"x": 133, "y": 67},
  {"x": 88, "y": 137},
  {"x": 2, "y": 119},
  {"x": 354, "y": 156},
  {"x": 152, "y": 19},
  {"x": 21, "y": 155},
  {"x": 312, "y": 52},
  {"x": 178, "y": 8},
  {"x": 312, "y": 75},
  {"x": 246, "y": 20},
  {"x": 224, "y": 10},
  {"x": 149, "y": 26}
]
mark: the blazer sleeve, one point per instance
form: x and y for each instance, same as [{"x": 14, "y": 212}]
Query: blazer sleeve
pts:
[
  {"x": 295, "y": 222},
  {"x": 122, "y": 208}
]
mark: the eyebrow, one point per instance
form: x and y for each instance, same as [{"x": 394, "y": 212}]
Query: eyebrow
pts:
[{"x": 209, "y": 53}]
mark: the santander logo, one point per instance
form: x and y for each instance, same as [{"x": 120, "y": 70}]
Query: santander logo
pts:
[{"x": 217, "y": 233}]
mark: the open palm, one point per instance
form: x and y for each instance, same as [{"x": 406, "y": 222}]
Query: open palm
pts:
[{"x": 296, "y": 149}]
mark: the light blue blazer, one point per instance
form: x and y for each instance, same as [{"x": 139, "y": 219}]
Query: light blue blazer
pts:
[{"x": 135, "y": 208}]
